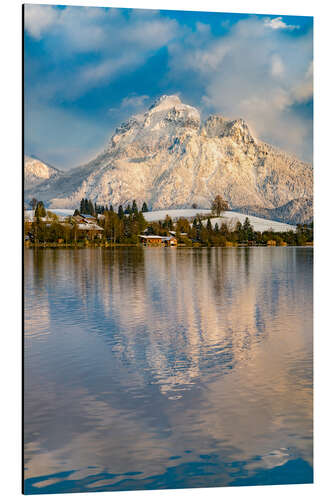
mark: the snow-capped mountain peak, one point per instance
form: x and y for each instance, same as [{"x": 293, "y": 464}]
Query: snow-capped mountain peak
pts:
[
  {"x": 36, "y": 172},
  {"x": 167, "y": 157}
]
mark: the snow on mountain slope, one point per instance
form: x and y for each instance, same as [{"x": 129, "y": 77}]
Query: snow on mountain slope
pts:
[
  {"x": 37, "y": 172},
  {"x": 169, "y": 159},
  {"x": 258, "y": 223}
]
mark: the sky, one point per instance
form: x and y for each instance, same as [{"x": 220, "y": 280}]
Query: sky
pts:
[{"x": 88, "y": 69}]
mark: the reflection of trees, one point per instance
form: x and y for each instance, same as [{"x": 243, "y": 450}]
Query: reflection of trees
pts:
[
  {"x": 183, "y": 313},
  {"x": 170, "y": 325}
]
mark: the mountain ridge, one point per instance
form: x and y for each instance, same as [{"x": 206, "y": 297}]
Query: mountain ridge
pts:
[{"x": 169, "y": 158}]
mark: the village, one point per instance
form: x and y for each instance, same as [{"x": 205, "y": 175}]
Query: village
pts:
[{"x": 131, "y": 227}]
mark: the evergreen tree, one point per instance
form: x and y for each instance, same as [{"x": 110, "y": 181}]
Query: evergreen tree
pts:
[
  {"x": 144, "y": 207},
  {"x": 247, "y": 230},
  {"x": 141, "y": 222},
  {"x": 76, "y": 212},
  {"x": 120, "y": 212},
  {"x": 40, "y": 210},
  {"x": 134, "y": 207},
  {"x": 91, "y": 210},
  {"x": 33, "y": 203},
  {"x": 209, "y": 225},
  {"x": 128, "y": 210}
]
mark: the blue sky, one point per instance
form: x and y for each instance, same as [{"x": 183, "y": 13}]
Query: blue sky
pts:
[{"x": 87, "y": 69}]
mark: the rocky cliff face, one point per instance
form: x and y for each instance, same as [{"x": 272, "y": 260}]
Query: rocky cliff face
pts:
[{"x": 170, "y": 159}]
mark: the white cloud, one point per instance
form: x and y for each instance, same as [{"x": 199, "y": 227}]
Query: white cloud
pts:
[
  {"x": 278, "y": 24},
  {"x": 39, "y": 18},
  {"x": 253, "y": 73},
  {"x": 129, "y": 106},
  {"x": 303, "y": 91},
  {"x": 136, "y": 101},
  {"x": 121, "y": 43},
  {"x": 277, "y": 66}
]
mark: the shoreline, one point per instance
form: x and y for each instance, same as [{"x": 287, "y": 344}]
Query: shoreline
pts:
[{"x": 138, "y": 245}]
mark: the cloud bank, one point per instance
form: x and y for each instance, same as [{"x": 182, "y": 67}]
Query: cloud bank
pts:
[{"x": 255, "y": 73}]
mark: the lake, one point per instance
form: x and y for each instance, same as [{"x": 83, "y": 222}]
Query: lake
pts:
[{"x": 167, "y": 368}]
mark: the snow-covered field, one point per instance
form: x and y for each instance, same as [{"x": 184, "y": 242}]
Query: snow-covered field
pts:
[
  {"x": 157, "y": 215},
  {"x": 60, "y": 212},
  {"x": 258, "y": 223}
]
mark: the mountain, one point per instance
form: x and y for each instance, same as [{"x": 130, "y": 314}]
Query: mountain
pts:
[
  {"x": 37, "y": 172},
  {"x": 294, "y": 212},
  {"x": 167, "y": 157}
]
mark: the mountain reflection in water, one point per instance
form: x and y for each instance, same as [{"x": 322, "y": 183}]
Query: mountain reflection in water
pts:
[{"x": 164, "y": 368}]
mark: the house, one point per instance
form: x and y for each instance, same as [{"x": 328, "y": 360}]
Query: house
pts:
[
  {"x": 90, "y": 230},
  {"x": 88, "y": 218},
  {"x": 153, "y": 240},
  {"x": 150, "y": 240},
  {"x": 169, "y": 241}
]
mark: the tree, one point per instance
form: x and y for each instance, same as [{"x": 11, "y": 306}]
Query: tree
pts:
[
  {"x": 91, "y": 210},
  {"x": 209, "y": 225},
  {"x": 33, "y": 203},
  {"x": 144, "y": 207},
  {"x": 140, "y": 221},
  {"x": 248, "y": 233},
  {"x": 120, "y": 212},
  {"x": 219, "y": 205},
  {"x": 128, "y": 210},
  {"x": 40, "y": 210},
  {"x": 203, "y": 235},
  {"x": 224, "y": 230},
  {"x": 183, "y": 225},
  {"x": 168, "y": 224},
  {"x": 76, "y": 212},
  {"x": 194, "y": 205},
  {"x": 134, "y": 207}
]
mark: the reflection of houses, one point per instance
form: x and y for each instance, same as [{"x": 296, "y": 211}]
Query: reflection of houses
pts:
[{"x": 152, "y": 240}]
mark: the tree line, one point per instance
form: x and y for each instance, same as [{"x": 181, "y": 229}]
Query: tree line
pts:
[
  {"x": 87, "y": 207},
  {"x": 125, "y": 225},
  {"x": 202, "y": 233}
]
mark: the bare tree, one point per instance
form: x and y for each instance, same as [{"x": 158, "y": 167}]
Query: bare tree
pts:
[{"x": 219, "y": 205}]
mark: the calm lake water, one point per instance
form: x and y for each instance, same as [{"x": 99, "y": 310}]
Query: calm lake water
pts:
[{"x": 167, "y": 368}]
